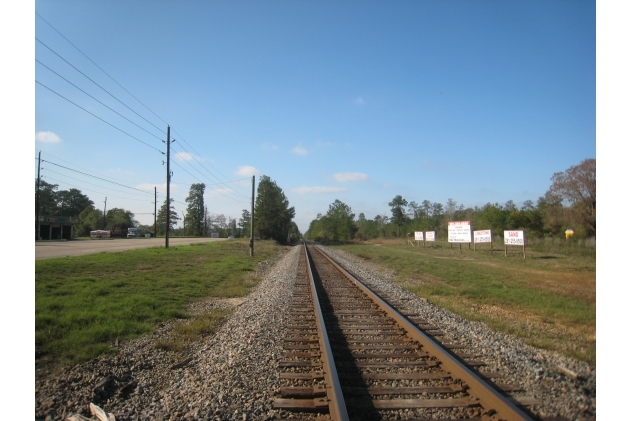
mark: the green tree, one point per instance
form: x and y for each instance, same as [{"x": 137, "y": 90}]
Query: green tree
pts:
[
  {"x": 397, "y": 206},
  {"x": 194, "y": 219},
  {"x": 577, "y": 185},
  {"x": 244, "y": 223},
  {"x": 272, "y": 214},
  {"x": 47, "y": 198},
  {"x": 72, "y": 202},
  {"x": 118, "y": 217},
  {"x": 338, "y": 223},
  {"x": 161, "y": 219},
  {"x": 90, "y": 219}
]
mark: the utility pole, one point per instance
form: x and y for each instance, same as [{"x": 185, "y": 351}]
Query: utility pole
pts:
[
  {"x": 39, "y": 164},
  {"x": 166, "y": 244},
  {"x": 104, "y": 217},
  {"x": 155, "y": 213},
  {"x": 252, "y": 222}
]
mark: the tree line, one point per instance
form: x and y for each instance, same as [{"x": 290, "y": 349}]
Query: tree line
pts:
[
  {"x": 570, "y": 202},
  {"x": 273, "y": 217}
]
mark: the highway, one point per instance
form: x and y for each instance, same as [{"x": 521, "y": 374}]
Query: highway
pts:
[{"x": 54, "y": 249}]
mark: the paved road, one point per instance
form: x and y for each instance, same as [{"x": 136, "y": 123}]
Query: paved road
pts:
[{"x": 52, "y": 249}]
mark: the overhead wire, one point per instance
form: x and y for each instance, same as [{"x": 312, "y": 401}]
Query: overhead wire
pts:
[
  {"x": 119, "y": 129},
  {"x": 93, "y": 176},
  {"x": 58, "y": 55},
  {"x": 105, "y": 90},
  {"x": 108, "y": 107},
  {"x": 192, "y": 155},
  {"x": 179, "y": 154},
  {"x": 99, "y": 67},
  {"x": 210, "y": 172}
]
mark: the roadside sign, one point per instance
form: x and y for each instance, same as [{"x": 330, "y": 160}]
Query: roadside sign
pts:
[
  {"x": 514, "y": 238},
  {"x": 483, "y": 236},
  {"x": 418, "y": 235},
  {"x": 459, "y": 231},
  {"x": 430, "y": 236}
]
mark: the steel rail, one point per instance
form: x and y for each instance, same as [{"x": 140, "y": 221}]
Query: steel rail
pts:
[
  {"x": 497, "y": 406},
  {"x": 337, "y": 406}
]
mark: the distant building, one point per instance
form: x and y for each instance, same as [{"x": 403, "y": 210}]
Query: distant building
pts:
[{"x": 56, "y": 227}]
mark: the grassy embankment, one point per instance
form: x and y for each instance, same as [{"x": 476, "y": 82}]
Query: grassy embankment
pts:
[
  {"x": 547, "y": 299},
  {"x": 82, "y": 304}
]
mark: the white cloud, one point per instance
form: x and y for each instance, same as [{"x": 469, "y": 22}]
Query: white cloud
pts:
[
  {"x": 344, "y": 177},
  {"x": 247, "y": 171},
  {"x": 47, "y": 137},
  {"x": 316, "y": 190},
  {"x": 359, "y": 100},
  {"x": 299, "y": 150},
  {"x": 184, "y": 156},
  {"x": 269, "y": 147}
]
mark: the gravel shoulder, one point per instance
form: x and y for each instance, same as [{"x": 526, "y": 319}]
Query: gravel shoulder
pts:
[{"x": 232, "y": 375}]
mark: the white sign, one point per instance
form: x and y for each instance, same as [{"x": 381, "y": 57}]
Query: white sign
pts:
[
  {"x": 418, "y": 235},
  {"x": 430, "y": 236},
  {"x": 483, "y": 236},
  {"x": 514, "y": 238},
  {"x": 459, "y": 232}
]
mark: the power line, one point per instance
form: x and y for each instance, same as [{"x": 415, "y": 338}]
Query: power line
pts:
[
  {"x": 93, "y": 62},
  {"x": 83, "y": 181},
  {"x": 93, "y": 176},
  {"x": 106, "y": 91},
  {"x": 121, "y": 130},
  {"x": 93, "y": 191},
  {"x": 77, "y": 48},
  {"x": 217, "y": 191},
  {"x": 210, "y": 172},
  {"x": 111, "y": 109},
  {"x": 178, "y": 153}
]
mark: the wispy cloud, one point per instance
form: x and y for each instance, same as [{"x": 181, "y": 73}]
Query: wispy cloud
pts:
[
  {"x": 359, "y": 100},
  {"x": 345, "y": 177},
  {"x": 47, "y": 137},
  {"x": 184, "y": 156},
  {"x": 269, "y": 147},
  {"x": 247, "y": 171},
  {"x": 321, "y": 144},
  {"x": 316, "y": 190},
  {"x": 299, "y": 150}
]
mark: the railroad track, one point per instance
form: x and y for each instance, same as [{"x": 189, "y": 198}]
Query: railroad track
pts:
[{"x": 349, "y": 355}]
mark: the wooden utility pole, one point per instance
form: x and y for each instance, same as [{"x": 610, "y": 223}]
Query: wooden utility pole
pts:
[
  {"x": 39, "y": 164},
  {"x": 104, "y": 217},
  {"x": 166, "y": 243},
  {"x": 155, "y": 213},
  {"x": 252, "y": 222}
]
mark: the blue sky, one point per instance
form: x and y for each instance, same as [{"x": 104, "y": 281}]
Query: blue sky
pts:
[{"x": 477, "y": 101}]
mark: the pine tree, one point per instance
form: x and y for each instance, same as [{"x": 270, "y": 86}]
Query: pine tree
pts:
[
  {"x": 194, "y": 219},
  {"x": 161, "y": 219}
]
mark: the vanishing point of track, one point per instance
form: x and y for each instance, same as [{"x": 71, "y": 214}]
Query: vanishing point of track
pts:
[{"x": 351, "y": 356}]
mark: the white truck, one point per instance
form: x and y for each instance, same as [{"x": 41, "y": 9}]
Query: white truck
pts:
[{"x": 133, "y": 232}]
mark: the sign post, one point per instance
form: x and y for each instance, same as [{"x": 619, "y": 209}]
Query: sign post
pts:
[
  {"x": 514, "y": 238},
  {"x": 459, "y": 232},
  {"x": 482, "y": 236},
  {"x": 418, "y": 236},
  {"x": 430, "y": 236}
]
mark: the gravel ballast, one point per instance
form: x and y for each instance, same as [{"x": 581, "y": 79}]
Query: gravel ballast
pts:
[{"x": 232, "y": 375}]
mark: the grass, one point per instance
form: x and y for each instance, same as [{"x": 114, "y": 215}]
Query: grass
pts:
[
  {"x": 198, "y": 326},
  {"x": 82, "y": 304},
  {"x": 547, "y": 299}
]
